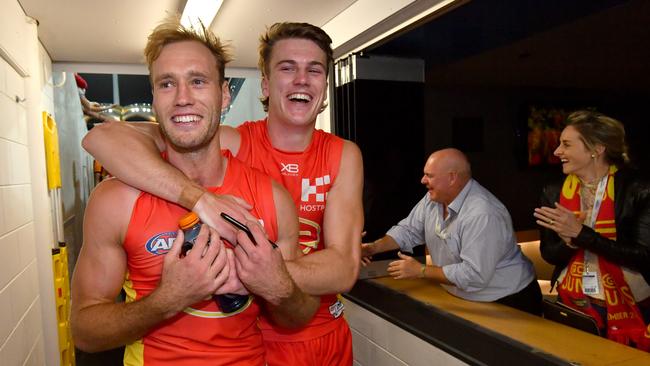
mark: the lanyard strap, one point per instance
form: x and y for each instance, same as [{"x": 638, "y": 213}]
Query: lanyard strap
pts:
[{"x": 598, "y": 200}]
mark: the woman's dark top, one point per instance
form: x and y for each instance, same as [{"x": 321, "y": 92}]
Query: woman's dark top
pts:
[{"x": 632, "y": 211}]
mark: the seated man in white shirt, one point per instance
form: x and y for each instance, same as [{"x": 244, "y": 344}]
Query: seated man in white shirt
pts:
[{"x": 469, "y": 235}]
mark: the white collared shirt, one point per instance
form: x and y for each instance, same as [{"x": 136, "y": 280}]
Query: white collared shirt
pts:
[{"x": 475, "y": 245}]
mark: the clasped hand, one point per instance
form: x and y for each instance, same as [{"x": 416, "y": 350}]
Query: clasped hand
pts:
[
  {"x": 404, "y": 268},
  {"x": 260, "y": 267},
  {"x": 197, "y": 275},
  {"x": 210, "y": 206},
  {"x": 561, "y": 220}
]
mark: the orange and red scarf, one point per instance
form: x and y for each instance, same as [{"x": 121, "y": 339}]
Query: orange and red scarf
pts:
[{"x": 624, "y": 320}]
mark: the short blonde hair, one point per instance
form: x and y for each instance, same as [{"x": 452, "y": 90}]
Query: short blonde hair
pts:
[{"x": 171, "y": 30}]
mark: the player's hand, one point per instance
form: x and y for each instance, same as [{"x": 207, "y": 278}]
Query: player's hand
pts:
[
  {"x": 260, "y": 267},
  {"x": 232, "y": 285},
  {"x": 197, "y": 275},
  {"x": 210, "y": 206}
]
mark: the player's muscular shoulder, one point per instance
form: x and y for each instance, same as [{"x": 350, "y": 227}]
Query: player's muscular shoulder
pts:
[{"x": 111, "y": 202}]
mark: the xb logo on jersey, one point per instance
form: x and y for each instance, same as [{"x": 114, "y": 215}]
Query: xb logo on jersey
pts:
[{"x": 289, "y": 168}]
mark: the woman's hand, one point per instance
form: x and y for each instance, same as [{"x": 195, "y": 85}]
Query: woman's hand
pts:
[{"x": 561, "y": 220}]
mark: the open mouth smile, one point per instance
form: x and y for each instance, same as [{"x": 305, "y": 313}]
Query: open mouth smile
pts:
[
  {"x": 300, "y": 97},
  {"x": 187, "y": 118}
]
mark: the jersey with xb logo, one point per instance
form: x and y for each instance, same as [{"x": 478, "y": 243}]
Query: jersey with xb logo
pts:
[{"x": 291, "y": 169}]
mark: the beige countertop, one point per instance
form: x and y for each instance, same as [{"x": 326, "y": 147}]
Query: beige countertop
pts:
[{"x": 549, "y": 337}]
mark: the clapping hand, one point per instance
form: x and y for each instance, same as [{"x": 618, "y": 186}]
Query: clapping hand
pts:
[{"x": 560, "y": 219}]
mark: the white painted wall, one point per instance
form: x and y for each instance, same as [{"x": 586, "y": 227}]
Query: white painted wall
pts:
[
  {"x": 76, "y": 165},
  {"x": 28, "y": 334},
  {"x": 40, "y": 84},
  {"x": 247, "y": 105},
  {"x": 378, "y": 342}
]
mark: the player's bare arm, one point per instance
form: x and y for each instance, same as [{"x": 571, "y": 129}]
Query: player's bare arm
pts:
[
  {"x": 98, "y": 321},
  {"x": 131, "y": 152},
  {"x": 335, "y": 268}
]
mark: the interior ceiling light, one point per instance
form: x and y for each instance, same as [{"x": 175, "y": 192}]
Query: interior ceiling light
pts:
[{"x": 200, "y": 10}]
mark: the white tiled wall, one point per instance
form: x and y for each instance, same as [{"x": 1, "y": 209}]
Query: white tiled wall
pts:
[
  {"x": 12, "y": 35},
  {"x": 20, "y": 310}
]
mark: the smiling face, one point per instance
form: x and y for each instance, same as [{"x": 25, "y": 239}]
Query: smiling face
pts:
[
  {"x": 575, "y": 156},
  {"x": 297, "y": 81},
  {"x": 437, "y": 179},
  {"x": 187, "y": 94}
]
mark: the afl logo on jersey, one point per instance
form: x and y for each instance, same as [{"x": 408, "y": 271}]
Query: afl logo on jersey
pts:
[{"x": 161, "y": 243}]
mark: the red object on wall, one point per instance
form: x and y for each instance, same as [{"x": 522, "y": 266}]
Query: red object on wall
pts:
[{"x": 81, "y": 82}]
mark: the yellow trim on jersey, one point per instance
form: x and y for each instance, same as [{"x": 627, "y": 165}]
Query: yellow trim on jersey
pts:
[
  {"x": 127, "y": 286},
  {"x": 216, "y": 314},
  {"x": 134, "y": 354}
]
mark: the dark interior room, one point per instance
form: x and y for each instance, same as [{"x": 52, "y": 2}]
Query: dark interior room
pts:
[{"x": 491, "y": 69}]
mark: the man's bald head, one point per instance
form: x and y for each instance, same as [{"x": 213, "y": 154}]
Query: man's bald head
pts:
[
  {"x": 445, "y": 174},
  {"x": 453, "y": 160}
]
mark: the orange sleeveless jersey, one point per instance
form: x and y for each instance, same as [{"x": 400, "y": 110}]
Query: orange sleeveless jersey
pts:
[
  {"x": 201, "y": 334},
  {"x": 308, "y": 176}
]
